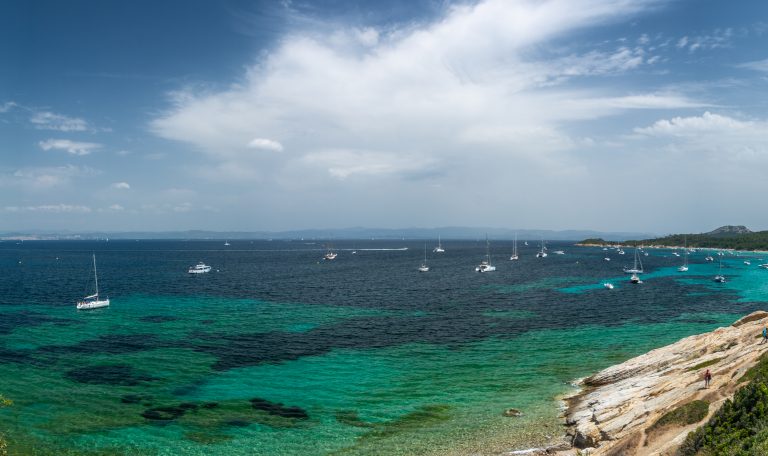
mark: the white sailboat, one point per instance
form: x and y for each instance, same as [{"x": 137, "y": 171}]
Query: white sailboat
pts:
[
  {"x": 684, "y": 267},
  {"x": 543, "y": 252},
  {"x": 485, "y": 265},
  {"x": 720, "y": 278},
  {"x": 424, "y": 267},
  {"x": 93, "y": 301},
  {"x": 637, "y": 268},
  {"x": 514, "y": 250},
  {"x": 330, "y": 254},
  {"x": 439, "y": 248},
  {"x": 226, "y": 243}
]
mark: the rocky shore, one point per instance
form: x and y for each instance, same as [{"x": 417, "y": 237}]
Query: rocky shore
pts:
[{"x": 618, "y": 410}]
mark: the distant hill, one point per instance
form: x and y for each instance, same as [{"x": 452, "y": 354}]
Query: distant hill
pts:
[
  {"x": 735, "y": 237},
  {"x": 729, "y": 230}
]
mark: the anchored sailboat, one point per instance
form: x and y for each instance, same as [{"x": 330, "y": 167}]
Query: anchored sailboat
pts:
[
  {"x": 439, "y": 248},
  {"x": 720, "y": 278},
  {"x": 638, "y": 266},
  {"x": 684, "y": 267},
  {"x": 485, "y": 265},
  {"x": 514, "y": 250},
  {"x": 543, "y": 252},
  {"x": 93, "y": 301},
  {"x": 424, "y": 267}
]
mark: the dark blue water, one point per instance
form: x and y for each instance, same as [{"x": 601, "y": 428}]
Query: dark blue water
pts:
[{"x": 306, "y": 356}]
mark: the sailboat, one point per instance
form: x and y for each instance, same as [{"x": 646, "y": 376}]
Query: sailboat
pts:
[
  {"x": 93, "y": 301},
  {"x": 543, "y": 252},
  {"x": 439, "y": 248},
  {"x": 684, "y": 267},
  {"x": 424, "y": 267},
  {"x": 226, "y": 243},
  {"x": 720, "y": 278},
  {"x": 514, "y": 250},
  {"x": 637, "y": 268},
  {"x": 330, "y": 254},
  {"x": 485, "y": 265}
]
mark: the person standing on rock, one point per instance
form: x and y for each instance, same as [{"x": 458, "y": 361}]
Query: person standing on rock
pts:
[
  {"x": 707, "y": 378},
  {"x": 765, "y": 335}
]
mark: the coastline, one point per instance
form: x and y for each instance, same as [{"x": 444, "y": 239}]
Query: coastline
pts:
[{"x": 616, "y": 411}]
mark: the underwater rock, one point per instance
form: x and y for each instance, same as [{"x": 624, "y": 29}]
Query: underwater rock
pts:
[
  {"x": 134, "y": 398},
  {"x": 158, "y": 318},
  {"x": 168, "y": 413},
  {"x": 109, "y": 374},
  {"x": 511, "y": 412},
  {"x": 278, "y": 409}
]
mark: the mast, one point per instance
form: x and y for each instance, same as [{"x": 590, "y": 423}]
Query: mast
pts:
[
  {"x": 515, "y": 246},
  {"x": 95, "y": 276},
  {"x": 487, "y": 249}
]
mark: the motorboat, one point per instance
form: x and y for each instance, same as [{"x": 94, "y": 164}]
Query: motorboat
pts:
[
  {"x": 608, "y": 285},
  {"x": 199, "y": 268},
  {"x": 635, "y": 279}
]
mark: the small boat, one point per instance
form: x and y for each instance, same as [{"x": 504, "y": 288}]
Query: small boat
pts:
[
  {"x": 514, "y": 255},
  {"x": 676, "y": 254},
  {"x": 330, "y": 254},
  {"x": 637, "y": 268},
  {"x": 424, "y": 267},
  {"x": 747, "y": 262},
  {"x": 526, "y": 242},
  {"x": 439, "y": 248},
  {"x": 226, "y": 243},
  {"x": 635, "y": 279},
  {"x": 709, "y": 258},
  {"x": 764, "y": 265},
  {"x": 607, "y": 259},
  {"x": 485, "y": 265},
  {"x": 605, "y": 249},
  {"x": 199, "y": 268},
  {"x": 720, "y": 278},
  {"x": 543, "y": 252},
  {"x": 559, "y": 252},
  {"x": 684, "y": 266},
  {"x": 93, "y": 301},
  {"x": 620, "y": 252},
  {"x": 608, "y": 285}
]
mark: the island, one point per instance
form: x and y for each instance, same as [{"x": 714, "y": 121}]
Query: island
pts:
[{"x": 728, "y": 237}]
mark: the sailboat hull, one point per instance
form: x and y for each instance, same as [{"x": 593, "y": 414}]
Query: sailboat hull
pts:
[{"x": 95, "y": 304}]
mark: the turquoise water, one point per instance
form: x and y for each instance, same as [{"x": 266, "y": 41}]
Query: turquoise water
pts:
[{"x": 275, "y": 353}]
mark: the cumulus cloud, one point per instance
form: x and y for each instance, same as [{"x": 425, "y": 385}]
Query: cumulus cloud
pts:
[
  {"x": 72, "y": 147},
  {"x": 50, "y": 121},
  {"x": 265, "y": 144},
  {"x": 121, "y": 186},
  {"x": 696, "y": 125},
  {"x": 409, "y": 92}
]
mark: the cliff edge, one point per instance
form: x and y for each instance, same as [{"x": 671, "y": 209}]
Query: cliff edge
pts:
[{"x": 619, "y": 409}]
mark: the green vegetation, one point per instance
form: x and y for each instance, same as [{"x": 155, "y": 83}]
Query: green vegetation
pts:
[
  {"x": 704, "y": 364},
  {"x": 686, "y": 414},
  {"x": 3, "y": 444},
  {"x": 736, "y": 238},
  {"x": 740, "y": 427}
]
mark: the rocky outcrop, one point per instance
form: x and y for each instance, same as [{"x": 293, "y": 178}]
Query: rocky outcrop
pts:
[{"x": 614, "y": 412}]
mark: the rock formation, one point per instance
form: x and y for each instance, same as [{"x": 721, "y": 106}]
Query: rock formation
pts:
[{"x": 615, "y": 412}]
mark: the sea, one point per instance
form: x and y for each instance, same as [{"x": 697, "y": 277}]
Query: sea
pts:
[{"x": 279, "y": 352}]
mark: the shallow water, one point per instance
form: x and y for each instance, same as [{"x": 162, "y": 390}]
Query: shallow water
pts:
[{"x": 278, "y": 352}]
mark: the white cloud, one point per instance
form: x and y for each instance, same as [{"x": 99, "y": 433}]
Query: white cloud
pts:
[
  {"x": 265, "y": 144},
  {"x": 50, "y": 208},
  {"x": 116, "y": 208},
  {"x": 45, "y": 178},
  {"x": 121, "y": 186},
  {"x": 7, "y": 106},
  {"x": 45, "y": 120},
  {"x": 408, "y": 97},
  {"x": 72, "y": 147},
  {"x": 707, "y": 123},
  {"x": 758, "y": 65}
]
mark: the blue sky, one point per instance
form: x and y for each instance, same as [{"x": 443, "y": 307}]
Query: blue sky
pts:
[{"x": 639, "y": 115}]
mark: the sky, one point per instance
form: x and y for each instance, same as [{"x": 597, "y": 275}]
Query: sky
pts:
[{"x": 612, "y": 115}]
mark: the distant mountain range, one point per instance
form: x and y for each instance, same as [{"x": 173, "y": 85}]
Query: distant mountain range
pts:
[{"x": 449, "y": 232}]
